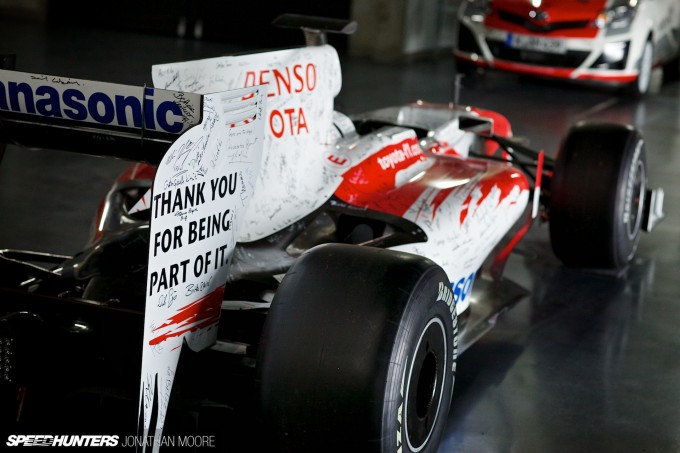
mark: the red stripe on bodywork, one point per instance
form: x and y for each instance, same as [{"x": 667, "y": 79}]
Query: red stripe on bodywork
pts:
[
  {"x": 613, "y": 78},
  {"x": 398, "y": 201},
  {"x": 137, "y": 171},
  {"x": 439, "y": 199},
  {"x": 441, "y": 180},
  {"x": 506, "y": 180},
  {"x": 617, "y": 77},
  {"x": 198, "y": 314},
  {"x": 564, "y": 73},
  {"x": 363, "y": 182}
]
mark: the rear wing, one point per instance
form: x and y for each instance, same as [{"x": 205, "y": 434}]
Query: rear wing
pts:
[
  {"x": 207, "y": 149},
  {"x": 315, "y": 28},
  {"x": 98, "y": 118}
]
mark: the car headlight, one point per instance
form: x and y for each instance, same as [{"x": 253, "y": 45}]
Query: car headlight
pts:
[
  {"x": 476, "y": 10},
  {"x": 618, "y": 18}
]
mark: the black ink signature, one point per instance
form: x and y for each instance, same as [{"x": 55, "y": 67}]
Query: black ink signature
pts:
[
  {"x": 65, "y": 81},
  {"x": 178, "y": 158},
  {"x": 168, "y": 298},
  {"x": 188, "y": 111}
]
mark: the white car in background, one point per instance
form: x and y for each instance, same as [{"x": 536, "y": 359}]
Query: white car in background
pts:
[{"x": 616, "y": 42}]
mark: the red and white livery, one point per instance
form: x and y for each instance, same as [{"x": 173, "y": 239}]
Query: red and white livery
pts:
[{"x": 610, "y": 41}]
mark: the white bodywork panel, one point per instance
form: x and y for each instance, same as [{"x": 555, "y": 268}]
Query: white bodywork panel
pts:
[{"x": 299, "y": 125}]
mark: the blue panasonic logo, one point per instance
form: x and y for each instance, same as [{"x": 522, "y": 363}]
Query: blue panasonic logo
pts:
[{"x": 97, "y": 102}]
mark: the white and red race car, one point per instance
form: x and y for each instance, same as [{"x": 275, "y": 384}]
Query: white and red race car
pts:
[
  {"x": 610, "y": 41},
  {"x": 340, "y": 262}
]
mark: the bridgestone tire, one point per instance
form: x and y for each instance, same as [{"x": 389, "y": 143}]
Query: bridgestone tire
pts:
[
  {"x": 358, "y": 353},
  {"x": 597, "y": 196}
]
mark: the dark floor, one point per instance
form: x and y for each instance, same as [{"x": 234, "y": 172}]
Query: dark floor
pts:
[{"x": 586, "y": 363}]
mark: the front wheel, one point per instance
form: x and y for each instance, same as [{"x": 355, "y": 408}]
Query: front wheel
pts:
[
  {"x": 358, "y": 353},
  {"x": 642, "y": 84},
  {"x": 597, "y": 196}
]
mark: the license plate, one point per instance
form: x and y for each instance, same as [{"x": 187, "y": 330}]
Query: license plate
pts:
[{"x": 537, "y": 43}]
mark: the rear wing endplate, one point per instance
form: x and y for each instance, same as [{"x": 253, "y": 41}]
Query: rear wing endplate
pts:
[{"x": 207, "y": 149}]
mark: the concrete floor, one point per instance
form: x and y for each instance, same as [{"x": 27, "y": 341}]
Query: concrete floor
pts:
[{"x": 586, "y": 363}]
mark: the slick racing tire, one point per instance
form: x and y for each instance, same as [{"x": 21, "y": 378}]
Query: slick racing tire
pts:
[
  {"x": 358, "y": 353},
  {"x": 597, "y": 196}
]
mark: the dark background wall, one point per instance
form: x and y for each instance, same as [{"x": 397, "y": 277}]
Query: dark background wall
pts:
[
  {"x": 389, "y": 30},
  {"x": 236, "y": 22}
]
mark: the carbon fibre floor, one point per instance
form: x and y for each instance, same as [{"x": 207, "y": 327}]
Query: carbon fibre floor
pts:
[{"x": 586, "y": 363}]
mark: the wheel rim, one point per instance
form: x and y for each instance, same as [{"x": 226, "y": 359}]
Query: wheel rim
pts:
[
  {"x": 635, "y": 201},
  {"x": 425, "y": 384},
  {"x": 645, "y": 72}
]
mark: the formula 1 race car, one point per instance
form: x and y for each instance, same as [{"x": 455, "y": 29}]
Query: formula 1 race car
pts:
[{"x": 321, "y": 273}]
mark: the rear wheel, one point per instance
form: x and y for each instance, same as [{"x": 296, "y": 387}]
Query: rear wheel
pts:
[
  {"x": 597, "y": 196},
  {"x": 358, "y": 353}
]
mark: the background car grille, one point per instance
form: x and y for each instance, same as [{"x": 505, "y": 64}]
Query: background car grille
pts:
[
  {"x": 522, "y": 21},
  {"x": 571, "y": 59}
]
